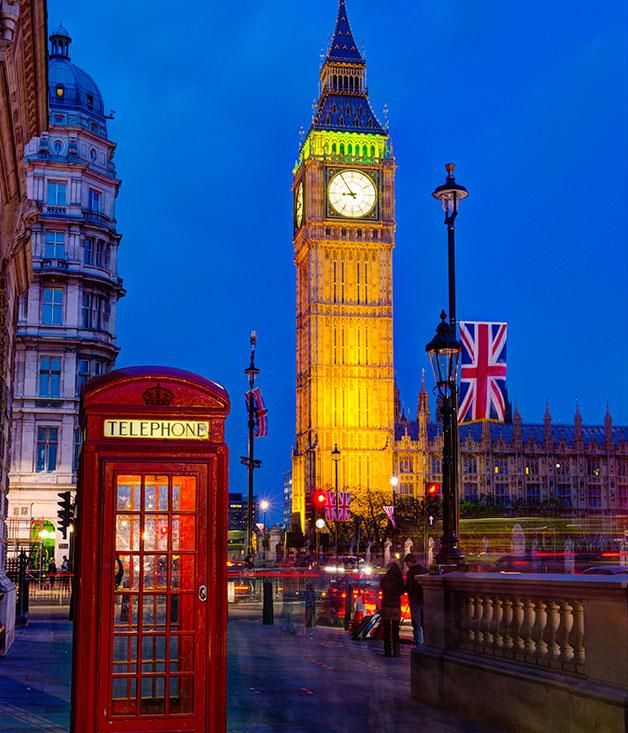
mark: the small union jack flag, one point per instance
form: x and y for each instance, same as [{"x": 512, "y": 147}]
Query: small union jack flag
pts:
[
  {"x": 344, "y": 500},
  {"x": 260, "y": 412},
  {"x": 389, "y": 510},
  {"x": 482, "y": 371}
]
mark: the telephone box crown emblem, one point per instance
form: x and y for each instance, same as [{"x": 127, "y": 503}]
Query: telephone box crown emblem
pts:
[{"x": 157, "y": 395}]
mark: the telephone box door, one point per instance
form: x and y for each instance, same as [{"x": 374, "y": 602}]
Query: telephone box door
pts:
[{"x": 153, "y": 596}]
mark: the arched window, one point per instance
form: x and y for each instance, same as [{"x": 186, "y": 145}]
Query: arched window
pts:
[
  {"x": 333, "y": 149},
  {"x": 365, "y": 151},
  {"x": 326, "y": 148},
  {"x": 341, "y": 121},
  {"x": 334, "y": 109},
  {"x": 349, "y": 149},
  {"x": 356, "y": 122},
  {"x": 342, "y": 147},
  {"x": 352, "y": 84},
  {"x": 347, "y": 109},
  {"x": 335, "y": 82},
  {"x": 328, "y": 120},
  {"x": 369, "y": 123},
  {"x": 372, "y": 151}
]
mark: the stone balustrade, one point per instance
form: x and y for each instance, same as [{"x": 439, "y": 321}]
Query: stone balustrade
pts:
[{"x": 524, "y": 651}]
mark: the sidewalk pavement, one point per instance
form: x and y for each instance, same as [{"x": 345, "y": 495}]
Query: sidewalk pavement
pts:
[
  {"x": 35, "y": 678},
  {"x": 278, "y": 680}
]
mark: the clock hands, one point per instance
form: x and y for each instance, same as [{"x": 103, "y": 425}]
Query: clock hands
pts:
[{"x": 347, "y": 185}]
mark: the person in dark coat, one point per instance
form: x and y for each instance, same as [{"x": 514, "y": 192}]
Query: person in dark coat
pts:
[
  {"x": 392, "y": 587},
  {"x": 310, "y": 608},
  {"x": 414, "y": 589}
]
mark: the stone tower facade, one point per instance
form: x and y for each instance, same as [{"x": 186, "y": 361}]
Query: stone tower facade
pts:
[
  {"x": 344, "y": 225},
  {"x": 66, "y": 319}
]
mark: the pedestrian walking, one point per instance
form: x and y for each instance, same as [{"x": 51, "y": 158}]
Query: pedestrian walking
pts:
[
  {"x": 52, "y": 571},
  {"x": 392, "y": 587},
  {"x": 414, "y": 589},
  {"x": 310, "y": 608}
]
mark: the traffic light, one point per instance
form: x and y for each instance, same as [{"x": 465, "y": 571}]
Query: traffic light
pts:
[
  {"x": 432, "y": 500},
  {"x": 65, "y": 513},
  {"x": 319, "y": 501}
]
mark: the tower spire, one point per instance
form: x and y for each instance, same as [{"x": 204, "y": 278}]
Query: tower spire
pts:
[
  {"x": 60, "y": 41},
  {"x": 343, "y": 47}
]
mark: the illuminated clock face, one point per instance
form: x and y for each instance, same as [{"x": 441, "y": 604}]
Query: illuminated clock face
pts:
[
  {"x": 298, "y": 205},
  {"x": 352, "y": 194}
]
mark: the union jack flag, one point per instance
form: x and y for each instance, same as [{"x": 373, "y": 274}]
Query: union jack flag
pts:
[
  {"x": 259, "y": 410},
  {"x": 482, "y": 372},
  {"x": 344, "y": 500},
  {"x": 390, "y": 513}
]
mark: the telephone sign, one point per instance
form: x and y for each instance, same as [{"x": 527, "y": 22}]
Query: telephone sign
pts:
[{"x": 150, "y": 615}]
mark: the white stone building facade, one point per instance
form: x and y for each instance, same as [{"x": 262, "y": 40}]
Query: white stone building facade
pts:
[{"x": 66, "y": 319}]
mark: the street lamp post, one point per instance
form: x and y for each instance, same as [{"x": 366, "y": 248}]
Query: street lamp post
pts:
[
  {"x": 263, "y": 505},
  {"x": 444, "y": 351},
  {"x": 249, "y": 461},
  {"x": 335, "y": 456}
]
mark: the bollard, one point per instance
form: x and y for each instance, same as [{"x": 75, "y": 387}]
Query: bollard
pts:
[
  {"x": 348, "y": 607},
  {"x": 21, "y": 609},
  {"x": 267, "y": 610}
]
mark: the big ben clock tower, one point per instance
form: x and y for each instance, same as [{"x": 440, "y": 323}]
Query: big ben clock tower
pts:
[{"x": 344, "y": 224}]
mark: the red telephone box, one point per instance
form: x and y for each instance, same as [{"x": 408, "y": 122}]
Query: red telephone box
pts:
[{"x": 151, "y": 549}]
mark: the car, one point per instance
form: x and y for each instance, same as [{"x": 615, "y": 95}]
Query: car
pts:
[{"x": 606, "y": 570}]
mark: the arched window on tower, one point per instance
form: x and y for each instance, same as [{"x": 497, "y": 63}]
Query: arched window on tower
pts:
[
  {"x": 365, "y": 151},
  {"x": 372, "y": 150},
  {"x": 328, "y": 120},
  {"x": 333, "y": 148},
  {"x": 342, "y": 146},
  {"x": 326, "y": 147},
  {"x": 349, "y": 149},
  {"x": 341, "y": 121}
]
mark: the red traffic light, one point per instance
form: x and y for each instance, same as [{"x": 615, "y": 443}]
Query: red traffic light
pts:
[
  {"x": 319, "y": 498},
  {"x": 433, "y": 489}
]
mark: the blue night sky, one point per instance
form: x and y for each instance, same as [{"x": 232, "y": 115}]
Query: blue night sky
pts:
[{"x": 529, "y": 99}]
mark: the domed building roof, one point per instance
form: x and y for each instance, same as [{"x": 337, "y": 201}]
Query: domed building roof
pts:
[{"x": 70, "y": 89}]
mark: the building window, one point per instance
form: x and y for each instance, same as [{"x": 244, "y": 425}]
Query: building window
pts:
[
  {"x": 90, "y": 100},
  {"x": 78, "y": 442},
  {"x": 593, "y": 467},
  {"x": 436, "y": 466},
  {"x": 532, "y": 467},
  {"x": 501, "y": 466},
  {"x": 471, "y": 492},
  {"x": 595, "y": 497},
  {"x": 47, "y": 445},
  {"x": 57, "y": 146},
  {"x": 49, "y": 376},
  {"x": 94, "y": 311},
  {"x": 60, "y": 91},
  {"x": 622, "y": 495},
  {"x": 533, "y": 494},
  {"x": 502, "y": 494},
  {"x": 94, "y": 252},
  {"x": 469, "y": 464},
  {"x": 562, "y": 466},
  {"x": 94, "y": 200},
  {"x": 87, "y": 368},
  {"x": 564, "y": 494},
  {"x": 57, "y": 193},
  {"x": 52, "y": 307},
  {"x": 55, "y": 245}
]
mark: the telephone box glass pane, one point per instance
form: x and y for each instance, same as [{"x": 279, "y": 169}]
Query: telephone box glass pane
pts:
[
  {"x": 181, "y": 694},
  {"x": 156, "y": 494},
  {"x": 128, "y": 494},
  {"x": 127, "y": 532},
  {"x": 125, "y": 611},
  {"x": 183, "y": 532},
  {"x": 156, "y": 533},
  {"x": 184, "y": 494},
  {"x": 127, "y": 573},
  {"x": 155, "y": 597},
  {"x": 154, "y": 612}
]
